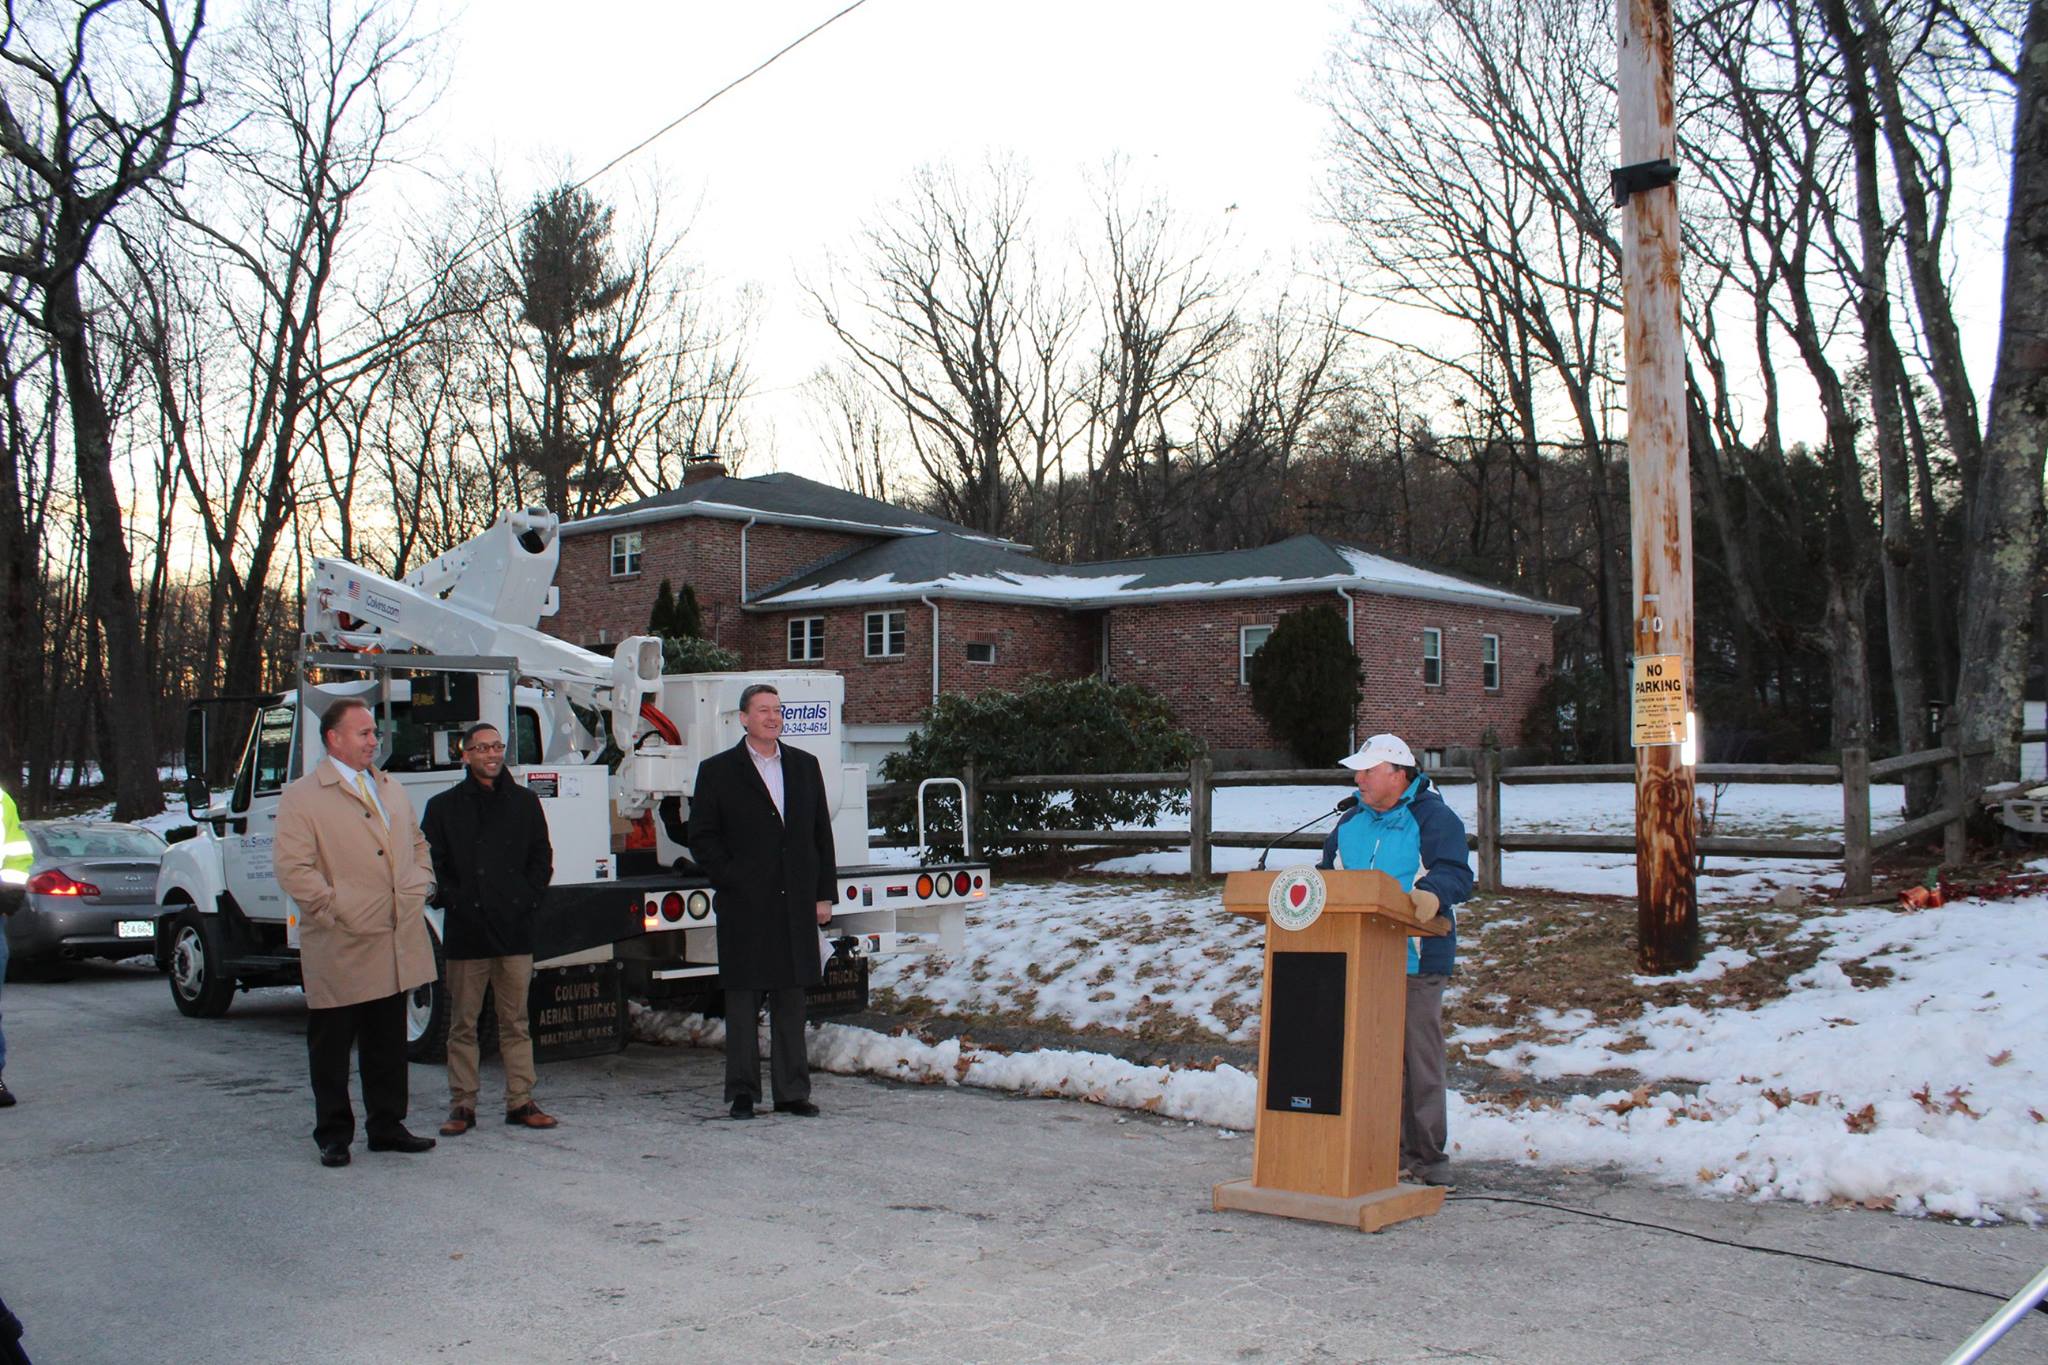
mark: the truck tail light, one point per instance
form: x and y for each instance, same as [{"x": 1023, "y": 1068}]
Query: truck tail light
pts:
[
  {"x": 699, "y": 904},
  {"x": 924, "y": 886},
  {"x": 672, "y": 907},
  {"x": 57, "y": 883},
  {"x": 961, "y": 883}
]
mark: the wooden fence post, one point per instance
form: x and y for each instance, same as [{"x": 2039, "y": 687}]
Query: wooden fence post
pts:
[
  {"x": 1199, "y": 772},
  {"x": 1955, "y": 835},
  {"x": 1486, "y": 811},
  {"x": 1855, "y": 820},
  {"x": 969, "y": 808}
]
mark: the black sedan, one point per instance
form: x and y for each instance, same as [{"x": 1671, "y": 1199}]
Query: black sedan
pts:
[{"x": 91, "y": 892}]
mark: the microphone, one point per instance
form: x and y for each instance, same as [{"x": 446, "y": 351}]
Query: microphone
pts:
[{"x": 1348, "y": 803}]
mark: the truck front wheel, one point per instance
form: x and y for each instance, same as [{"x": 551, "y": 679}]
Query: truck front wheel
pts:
[
  {"x": 427, "y": 1013},
  {"x": 200, "y": 984}
]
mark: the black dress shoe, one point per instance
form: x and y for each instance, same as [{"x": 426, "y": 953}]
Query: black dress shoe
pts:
[
  {"x": 404, "y": 1142},
  {"x": 803, "y": 1109},
  {"x": 334, "y": 1156},
  {"x": 742, "y": 1108}
]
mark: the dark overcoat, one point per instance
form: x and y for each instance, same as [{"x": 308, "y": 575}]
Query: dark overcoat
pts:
[
  {"x": 768, "y": 872},
  {"x": 492, "y": 865}
]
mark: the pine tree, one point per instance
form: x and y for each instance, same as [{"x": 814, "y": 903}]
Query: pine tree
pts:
[
  {"x": 662, "y": 620},
  {"x": 689, "y": 617},
  {"x": 1306, "y": 681}
]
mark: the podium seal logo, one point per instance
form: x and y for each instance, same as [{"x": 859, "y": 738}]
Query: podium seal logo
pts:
[{"x": 1296, "y": 898}]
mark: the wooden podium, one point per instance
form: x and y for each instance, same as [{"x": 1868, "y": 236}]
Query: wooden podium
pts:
[{"x": 1328, "y": 1137}]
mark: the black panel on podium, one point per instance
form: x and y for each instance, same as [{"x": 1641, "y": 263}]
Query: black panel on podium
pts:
[{"x": 1306, "y": 1029}]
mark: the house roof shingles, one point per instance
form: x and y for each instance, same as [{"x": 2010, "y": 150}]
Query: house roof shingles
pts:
[
  {"x": 957, "y": 566},
  {"x": 783, "y": 499}
]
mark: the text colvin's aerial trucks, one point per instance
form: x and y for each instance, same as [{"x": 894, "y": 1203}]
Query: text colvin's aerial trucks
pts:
[{"x": 611, "y": 747}]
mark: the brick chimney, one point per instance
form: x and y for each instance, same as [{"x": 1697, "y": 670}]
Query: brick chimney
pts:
[{"x": 698, "y": 468}]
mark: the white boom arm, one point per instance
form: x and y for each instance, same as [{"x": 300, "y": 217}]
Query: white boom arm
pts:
[{"x": 485, "y": 597}]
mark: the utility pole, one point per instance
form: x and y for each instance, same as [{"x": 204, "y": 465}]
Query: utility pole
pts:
[{"x": 1660, "y": 496}]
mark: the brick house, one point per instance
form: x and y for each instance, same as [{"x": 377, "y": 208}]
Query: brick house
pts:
[{"x": 906, "y": 606}]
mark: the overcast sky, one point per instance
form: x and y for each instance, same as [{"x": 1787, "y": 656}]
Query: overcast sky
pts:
[{"x": 1208, "y": 101}]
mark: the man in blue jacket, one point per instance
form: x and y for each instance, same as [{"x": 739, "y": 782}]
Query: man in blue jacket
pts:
[{"x": 1402, "y": 827}]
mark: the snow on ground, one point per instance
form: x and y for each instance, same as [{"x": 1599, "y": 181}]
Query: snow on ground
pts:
[
  {"x": 1903, "y": 1070},
  {"x": 1112, "y": 955},
  {"x": 1927, "y": 1092}
]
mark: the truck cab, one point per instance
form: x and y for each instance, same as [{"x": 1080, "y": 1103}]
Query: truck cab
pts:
[{"x": 626, "y": 910}]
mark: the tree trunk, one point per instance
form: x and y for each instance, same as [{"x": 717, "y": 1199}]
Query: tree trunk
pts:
[
  {"x": 127, "y": 741},
  {"x": 1881, "y": 351},
  {"x": 2005, "y": 513}
]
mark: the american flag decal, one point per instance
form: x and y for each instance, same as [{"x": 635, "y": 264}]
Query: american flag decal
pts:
[{"x": 355, "y": 588}]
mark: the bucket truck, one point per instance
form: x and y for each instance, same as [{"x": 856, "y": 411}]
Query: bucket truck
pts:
[{"x": 609, "y": 744}]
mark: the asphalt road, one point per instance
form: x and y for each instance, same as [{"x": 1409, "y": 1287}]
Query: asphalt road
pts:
[{"x": 160, "y": 1201}]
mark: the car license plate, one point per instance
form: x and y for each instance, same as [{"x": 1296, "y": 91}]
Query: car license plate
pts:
[{"x": 135, "y": 928}]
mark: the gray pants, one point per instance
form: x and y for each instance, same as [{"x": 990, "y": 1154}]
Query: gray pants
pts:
[
  {"x": 1423, "y": 1129},
  {"x": 789, "y": 1066}
]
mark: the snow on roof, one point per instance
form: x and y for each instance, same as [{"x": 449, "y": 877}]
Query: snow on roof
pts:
[{"x": 950, "y": 566}]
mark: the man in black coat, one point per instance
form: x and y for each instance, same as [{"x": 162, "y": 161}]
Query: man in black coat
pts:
[
  {"x": 492, "y": 864},
  {"x": 760, "y": 829}
]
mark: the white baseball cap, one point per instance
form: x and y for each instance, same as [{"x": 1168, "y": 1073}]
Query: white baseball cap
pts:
[{"x": 1381, "y": 749}]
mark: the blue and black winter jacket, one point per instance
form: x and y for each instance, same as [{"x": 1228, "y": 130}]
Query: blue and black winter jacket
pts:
[{"x": 1419, "y": 842}]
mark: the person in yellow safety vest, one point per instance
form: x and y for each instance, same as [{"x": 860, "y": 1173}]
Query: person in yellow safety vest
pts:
[{"x": 15, "y": 857}]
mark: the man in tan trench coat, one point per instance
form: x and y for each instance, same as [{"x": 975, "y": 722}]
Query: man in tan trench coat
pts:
[{"x": 349, "y": 852}]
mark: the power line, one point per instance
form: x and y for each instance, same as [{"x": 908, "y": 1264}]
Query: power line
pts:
[
  {"x": 478, "y": 245},
  {"x": 730, "y": 85}
]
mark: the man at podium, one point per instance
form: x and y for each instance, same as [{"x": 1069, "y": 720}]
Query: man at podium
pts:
[{"x": 1402, "y": 827}]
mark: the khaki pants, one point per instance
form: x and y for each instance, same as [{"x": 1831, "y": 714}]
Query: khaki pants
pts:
[{"x": 508, "y": 979}]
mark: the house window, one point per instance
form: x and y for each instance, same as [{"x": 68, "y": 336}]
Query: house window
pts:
[
  {"x": 1489, "y": 662},
  {"x": 981, "y": 652},
  {"x": 1432, "y": 657},
  {"x": 1432, "y": 759},
  {"x": 806, "y": 639},
  {"x": 1250, "y": 640},
  {"x": 886, "y": 633},
  {"x": 625, "y": 554}
]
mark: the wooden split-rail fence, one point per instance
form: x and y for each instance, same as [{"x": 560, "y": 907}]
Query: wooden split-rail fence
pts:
[{"x": 1855, "y": 850}]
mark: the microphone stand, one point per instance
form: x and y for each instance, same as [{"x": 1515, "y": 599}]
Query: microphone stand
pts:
[{"x": 1348, "y": 803}]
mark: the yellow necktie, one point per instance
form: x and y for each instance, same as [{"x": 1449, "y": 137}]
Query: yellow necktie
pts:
[{"x": 363, "y": 786}]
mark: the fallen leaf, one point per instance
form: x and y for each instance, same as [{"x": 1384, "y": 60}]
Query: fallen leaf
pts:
[
  {"x": 2002, "y": 1058},
  {"x": 1864, "y": 1120}
]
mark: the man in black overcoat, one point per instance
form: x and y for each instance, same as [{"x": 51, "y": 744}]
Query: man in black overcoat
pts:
[
  {"x": 760, "y": 829},
  {"x": 492, "y": 864}
]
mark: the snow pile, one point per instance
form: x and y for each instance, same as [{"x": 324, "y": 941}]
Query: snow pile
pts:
[
  {"x": 1222, "y": 1098},
  {"x": 1904, "y": 1070},
  {"x": 1111, "y": 955},
  {"x": 1926, "y": 1092}
]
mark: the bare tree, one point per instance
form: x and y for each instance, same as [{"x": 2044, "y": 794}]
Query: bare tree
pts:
[
  {"x": 97, "y": 131},
  {"x": 955, "y": 321},
  {"x": 856, "y": 431},
  {"x": 1462, "y": 129},
  {"x": 2005, "y": 514}
]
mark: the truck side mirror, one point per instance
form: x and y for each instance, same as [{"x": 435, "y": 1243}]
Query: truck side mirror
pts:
[{"x": 198, "y": 796}]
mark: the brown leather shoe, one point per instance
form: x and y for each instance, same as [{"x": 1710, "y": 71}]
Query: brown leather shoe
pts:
[
  {"x": 459, "y": 1121},
  {"x": 529, "y": 1115}
]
